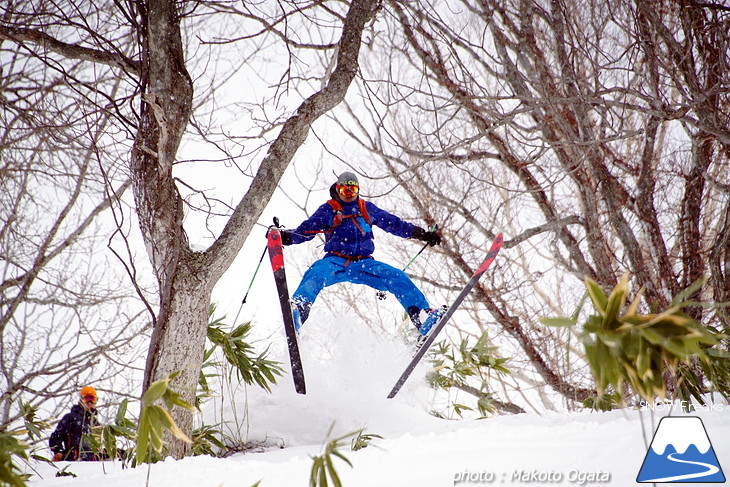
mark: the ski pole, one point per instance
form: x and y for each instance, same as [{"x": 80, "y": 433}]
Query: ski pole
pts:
[
  {"x": 254, "y": 275},
  {"x": 381, "y": 294},
  {"x": 434, "y": 227},
  {"x": 250, "y": 285}
]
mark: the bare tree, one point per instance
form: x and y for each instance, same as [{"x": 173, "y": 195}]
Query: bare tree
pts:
[
  {"x": 596, "y": 135},
  {"x": 144, "y": 43},
  {"x": 63, "y": 321}
]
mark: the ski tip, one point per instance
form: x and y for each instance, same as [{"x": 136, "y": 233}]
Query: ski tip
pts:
[{"x": 496, "y": 246}]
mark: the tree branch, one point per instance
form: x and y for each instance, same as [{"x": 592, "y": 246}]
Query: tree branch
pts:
[
  {"x": 70, "y": 51},
  {"x": 292, "y": 135}
]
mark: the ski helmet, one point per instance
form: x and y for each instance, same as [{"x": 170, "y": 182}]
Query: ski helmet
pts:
[
  {"x": 347, "y": 185},
  {"x": 348, "y": 179}
]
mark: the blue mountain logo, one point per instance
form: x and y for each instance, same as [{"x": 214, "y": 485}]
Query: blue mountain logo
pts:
[{"x": 679, "y": 452}]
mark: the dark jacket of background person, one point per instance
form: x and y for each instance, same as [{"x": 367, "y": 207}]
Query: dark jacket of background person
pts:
[{"x": 67, "y": 439}]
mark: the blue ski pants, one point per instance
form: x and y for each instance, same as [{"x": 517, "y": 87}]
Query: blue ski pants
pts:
[{"x": 333, "y": 269}]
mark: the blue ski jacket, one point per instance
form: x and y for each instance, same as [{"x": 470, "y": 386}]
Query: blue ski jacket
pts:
[{"x": 353, "y": 237}]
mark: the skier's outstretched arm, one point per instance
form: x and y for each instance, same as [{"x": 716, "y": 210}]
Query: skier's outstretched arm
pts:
[
  {"x": 320, "y": 221},
  {"x": 392, "y": 224}
]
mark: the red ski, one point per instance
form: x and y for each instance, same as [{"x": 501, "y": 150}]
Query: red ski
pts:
[
  {"x": 276, "y": 254},
  {"x": 496, "y": 245}
]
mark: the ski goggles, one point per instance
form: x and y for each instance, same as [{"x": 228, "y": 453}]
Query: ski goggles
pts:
[{"x": 348, "y": 190}]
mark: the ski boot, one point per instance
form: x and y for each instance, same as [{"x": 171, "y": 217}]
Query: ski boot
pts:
[
  {"x": 430, "y": 318},
  {"x": 300, "y": 313}
]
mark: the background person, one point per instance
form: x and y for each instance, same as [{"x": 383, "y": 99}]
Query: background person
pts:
[{"x": 66, "y": 441}]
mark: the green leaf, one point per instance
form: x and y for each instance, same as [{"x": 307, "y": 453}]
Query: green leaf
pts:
[
  {"x": 155, "y": 391},
  {"x": 109, "y": 441},
  {"x": 593, "y": 324},
  {"x": 314, "y": 475},
  {"x": 714, "y": 352},
  {"x": 597, "y": 295},
  {"x": 143, "y": 437},
  {"x": 121, "y": 412},
  {"x": 332, "y": 472},
  {"x": 173, "y": 399},
  {"x": 615, "y": 302},
  {"x": 342, "y": 457},
  {"x": 155, "y": 428},
  {"x": 684, "y": 295},
  {"x": 172, "y": 427},
  {"x": 634, "y": 306},
  {"x": 560, "y": 321}
]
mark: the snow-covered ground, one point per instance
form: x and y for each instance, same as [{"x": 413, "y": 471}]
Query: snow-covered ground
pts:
[{"x": 349, "y": 372}]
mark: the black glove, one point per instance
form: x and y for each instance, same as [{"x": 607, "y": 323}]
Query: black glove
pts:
[
  {"x": 285, "y": 237},
  {"x": 431, "y": 238}
]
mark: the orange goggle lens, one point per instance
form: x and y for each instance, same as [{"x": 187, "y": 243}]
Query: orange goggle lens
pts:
[{"x": 348, "y": 191}]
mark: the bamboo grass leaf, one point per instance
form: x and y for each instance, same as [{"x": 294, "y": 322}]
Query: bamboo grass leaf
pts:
[{"x": 598, "y": 297}]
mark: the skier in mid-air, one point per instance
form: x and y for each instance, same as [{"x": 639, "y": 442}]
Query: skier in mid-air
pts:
[{"x": 346, "y": 222}]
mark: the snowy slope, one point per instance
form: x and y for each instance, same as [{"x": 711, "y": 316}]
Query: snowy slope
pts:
[
  {"x": 349, "y": 372},
  {"x": 555, "y": 449}
]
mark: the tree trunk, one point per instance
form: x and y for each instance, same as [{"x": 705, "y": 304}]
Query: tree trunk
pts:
[
  {"x": 179, "y": 338},
  {"x": 186, "y": 278}
]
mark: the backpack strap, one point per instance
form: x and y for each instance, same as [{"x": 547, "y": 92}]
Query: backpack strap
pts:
[
  {"x": 364, "y": 210},
  {"x": 337, "y": 207}
]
